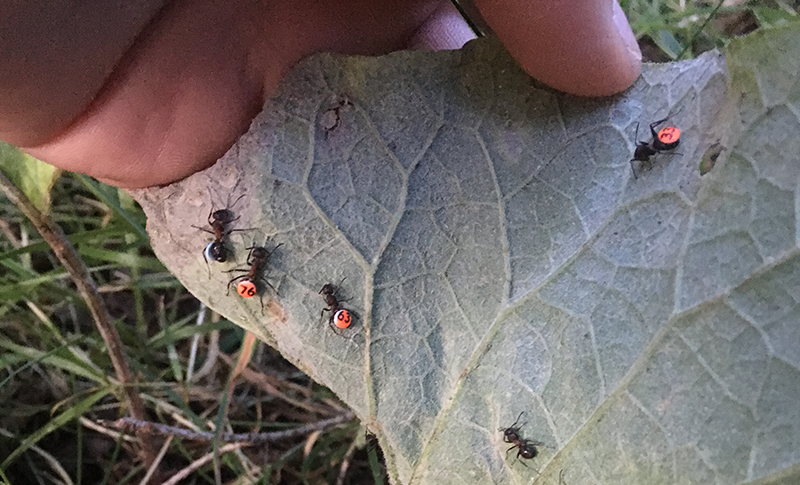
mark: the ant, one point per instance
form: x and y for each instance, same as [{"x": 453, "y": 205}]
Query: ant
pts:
[
  {"x": 371, "y": 440},
  {"x": 257, "y": 259},
  {"x": 331, "y": 118},
  {"x": 219, "y": 220},
  {"x": 667, "y": 138},
  {"x": 526, "y": 448},
  {"x": 340, "y": 317}
]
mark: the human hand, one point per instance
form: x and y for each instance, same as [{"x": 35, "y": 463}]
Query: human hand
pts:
[{"x": 146, "y": 93}]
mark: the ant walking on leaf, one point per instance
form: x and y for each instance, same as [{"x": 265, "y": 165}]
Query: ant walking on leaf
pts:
[
  {"x": 666, "y": 139},
  {"x": 525, "y": 448},
  {"x": 219, "y": 220},
  {"x": 340, "y": 317},
  {"x": 247, "y": 285}
]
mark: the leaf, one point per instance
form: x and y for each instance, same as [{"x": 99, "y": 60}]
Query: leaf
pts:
[
  {"x": 32, "y": 176},
  {"x": 668, "y": 43},
  {"x": 501, "y": 258}
]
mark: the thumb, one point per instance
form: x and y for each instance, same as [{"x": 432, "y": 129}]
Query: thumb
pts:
[{"x": 583, "y": 47}]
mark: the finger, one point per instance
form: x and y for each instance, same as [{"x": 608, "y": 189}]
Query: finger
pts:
[
  {"x": 55, "y": 58},
  {"x": 444, "y": 29},
  {"x": 198, "y": 74},
  {"x": 174, "y": 103},
  {"x": 584, "y": 47}
]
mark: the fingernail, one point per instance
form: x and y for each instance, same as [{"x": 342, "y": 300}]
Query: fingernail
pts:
[{"x": 625, "y": 32}]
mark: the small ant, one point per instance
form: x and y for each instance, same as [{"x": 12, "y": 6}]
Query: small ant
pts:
[
  {"x": 257, "y": 259},
  {"x": 219, "y": 220},
  {"x": 331, "y": 118},
  {"x": 340, "y": 317},
  {"x": 371, "y": 439},
  {"x": 667, "y": 138},
  {"x": 526, "y": 448}
]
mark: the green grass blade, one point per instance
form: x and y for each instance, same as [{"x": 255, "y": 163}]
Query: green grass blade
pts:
[
  {"x": 68, "y": 365},
  {"x": 54, "y": 424},
  {"x": 99, "y": 191}
]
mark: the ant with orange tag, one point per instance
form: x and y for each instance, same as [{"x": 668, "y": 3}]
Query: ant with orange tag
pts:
[
  {"x": 247, "y": 286},
  {"x": 526, "y": 448},
  {"x": 666, "y": 139},
  {"x": 340, "y": 318},
  {"x": 219, "y": 220}
]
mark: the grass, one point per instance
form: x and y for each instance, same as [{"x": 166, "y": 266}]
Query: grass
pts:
[{"x": 61, "y": 398}]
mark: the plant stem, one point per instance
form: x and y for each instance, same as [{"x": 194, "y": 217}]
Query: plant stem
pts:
[{"x": 79, "y": 272}]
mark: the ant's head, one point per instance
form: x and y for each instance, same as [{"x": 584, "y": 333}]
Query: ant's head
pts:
[
  {"x": 327, "y": 290},
  {"x": 222, "y": 215},
  {"x": 259, "y": 253}
]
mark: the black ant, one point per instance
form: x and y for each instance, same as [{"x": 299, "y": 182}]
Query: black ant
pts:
[
  {"x": 219, "y": 220},
  {"x": 340, "y": 317},
  {"x": 526, "y": 448},
  {"x": 331, "y": 118},
  {"x": 667, "y": 138},
  {"x": 257, "y": 259},
  {"x": 371, "y": 440}
]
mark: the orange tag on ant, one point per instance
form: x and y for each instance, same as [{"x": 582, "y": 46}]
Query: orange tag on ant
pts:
[
  {"x": 342, "y": 318},
  {"x": 246, "y": 288},
  {"x": 670, "y": 134}
]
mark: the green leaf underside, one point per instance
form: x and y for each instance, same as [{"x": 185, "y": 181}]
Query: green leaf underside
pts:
[
  {"x": 500, "y": 257},
  {"x": 31, "y": 176}
]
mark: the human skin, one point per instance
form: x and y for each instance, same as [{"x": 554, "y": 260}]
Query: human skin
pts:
[{"x": 146, "y": 93}]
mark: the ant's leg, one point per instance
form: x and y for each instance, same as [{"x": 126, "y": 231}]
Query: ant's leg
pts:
[
  {"x": 206, "y": 260},
  {"x": 250, "y": 255},
  {"x": 633, "y": 169},
  {"x": 261, "y": 297},
  {"x": 268, "y": 284},
  {"x": 538, "y": 443},
  {"x": 653, "y": 126},
  {"x": 237, "y": 269},
  {"x": 230, "y": 206},
  {"x": 334, "y": 327},
  {"x": 202, "y": 229},
  {"x": 211, "y": 198},
  {"x": 276, "y": 247},
  {"x": 517, "y": 421},
  {"x": 232, "y": 281},
  {"x": 339, "y": 288}
]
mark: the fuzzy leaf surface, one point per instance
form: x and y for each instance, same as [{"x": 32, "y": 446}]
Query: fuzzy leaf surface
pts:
[{"x": 500, "y": 257}]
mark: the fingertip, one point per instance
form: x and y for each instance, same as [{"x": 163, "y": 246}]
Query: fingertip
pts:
[
  {"x": 584, "y": 48},
  {"x": 444, "y": 29},
  {"x": 627, "y": 37}
]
